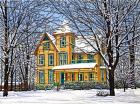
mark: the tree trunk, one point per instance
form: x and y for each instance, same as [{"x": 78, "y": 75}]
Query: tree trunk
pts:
[
  {"x": 6, "y": 55},
  {"x": 6, "y": 75},
  {"x": 11, "y": 86},
  {"x": 15, "y": 82},
  {"x": 111, "y": 82},
  {"x": 124, "y": 85},
  {"x": 26, "y": 75},
  {"x": 132, "y": 66}
]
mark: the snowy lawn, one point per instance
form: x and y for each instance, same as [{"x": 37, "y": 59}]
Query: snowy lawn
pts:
[{"x": 71, "y": 97}]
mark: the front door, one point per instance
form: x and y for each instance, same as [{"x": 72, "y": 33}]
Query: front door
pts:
[{"x": 62, "y": 77}]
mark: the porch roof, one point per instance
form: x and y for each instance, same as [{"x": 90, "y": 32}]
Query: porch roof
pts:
[{"x": 75, "y": 66}]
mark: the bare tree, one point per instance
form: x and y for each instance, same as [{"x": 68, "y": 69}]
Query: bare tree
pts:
[
  {"x": 19, "y": 20},
  {"x": 104, "y": 19},
  {"x": 122, "y": 73}
]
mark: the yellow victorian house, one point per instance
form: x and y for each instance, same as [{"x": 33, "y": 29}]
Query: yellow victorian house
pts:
[{"x": 65, "y": 57}]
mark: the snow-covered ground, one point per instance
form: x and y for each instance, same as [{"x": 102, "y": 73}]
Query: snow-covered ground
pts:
[{"x": 71, "y": 97}]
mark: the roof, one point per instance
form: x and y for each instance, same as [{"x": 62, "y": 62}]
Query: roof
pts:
[
  {"x": 52, "y": 38},
  {"x": 42, "y": 38},
  {"x": 64, "y": 28},
  {"x": 75, "y": 66},
  {"x": 81, "y": 45},
  {"x": 102, "y": 67}
]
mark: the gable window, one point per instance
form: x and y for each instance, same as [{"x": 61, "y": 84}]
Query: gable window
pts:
[
  {"x": 63, "y": 42},
  {"x": 50, "y": 59},
  {"x": 41, "y": 59},
  {"x": 46, "y": 45},
  {"x": 51, "y": 76},
  {"x": 80, "y": 58},
  {"x": 41, "y": 77},
  {"x": 45, "y": 38},
  {"x": 63, "y": 58}
]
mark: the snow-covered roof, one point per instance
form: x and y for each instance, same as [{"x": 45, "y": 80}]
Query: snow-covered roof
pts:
[
  {"x": 81, "y": 45},
  {"x": 52, "y": 38},
  {"x": 64, "y": 28},
  {"x": 75, "y": 66},
  {"x": 102, "y": 67}
]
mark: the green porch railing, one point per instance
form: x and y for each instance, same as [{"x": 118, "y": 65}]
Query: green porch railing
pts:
[{"x": 82, "y": 61}]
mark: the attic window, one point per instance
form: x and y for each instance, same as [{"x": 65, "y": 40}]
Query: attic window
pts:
[
  {"x": 45, "y": 38},
  {"x": 46, "y": 46},
  {"x": 63, "y": 42}
]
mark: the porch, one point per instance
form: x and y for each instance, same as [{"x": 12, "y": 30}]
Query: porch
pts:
[{"x": 75, "y": 72}]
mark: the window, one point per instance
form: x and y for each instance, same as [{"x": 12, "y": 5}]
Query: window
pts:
[
  {"x": 46, "y": 45},
  {"x": 73, "y": 43},
  {"x": 90, "y": 58},
  {"x": 63, "y": 58},
  {"x": 63, "y": 42},
  {"x": 72, "y": 76},
  {"x": 45, "y": 38},
  {"x": 81, "y": 77},
  {"x": 102, "y": 75},
  {"x": 73, "y": 58},
  {"x": 41, "y": 77},
  {"x": 80, "y": 58},
  {"x": 51, "y": 76},
  {"x": 91, "y": 76},
  {"x": 41, "y": 60},
  {"x": 50, "y": 59}
]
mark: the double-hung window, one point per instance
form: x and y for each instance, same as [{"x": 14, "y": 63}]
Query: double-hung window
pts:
[
  {"x": 73, "y": 43},
  {"x": 63, "y": 58},
  {"x": 41, "y": 77},
  {"x": 91, "y": 76},
  {"x": 50, "y": 59},
  {"x": 102, "y": 75},
  {"x": 63, "y": 42},
  {"x": 46, "y": 45},
  {"x": 90, "y": 58},
  {"x": 73, "y": 76},
  {"x": 81, "y": 77},
  {"x": 80, "y": 58},
  {"x": 51, "y": 76},
  {"x": 41, "y": 59}
]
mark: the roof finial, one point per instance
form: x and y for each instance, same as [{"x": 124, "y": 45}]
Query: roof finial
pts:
[{"x": 64, "y": 28}]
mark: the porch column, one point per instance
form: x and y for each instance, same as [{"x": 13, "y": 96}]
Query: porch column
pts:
[
  {"x": 54, "y": 77},
  {"x": 78, "y": 75},
  {"x": 64, "y": 76}
]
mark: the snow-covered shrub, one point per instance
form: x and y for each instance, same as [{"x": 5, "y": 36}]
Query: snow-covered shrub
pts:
[
  {"x": 85, "y": 85},
  {"x": 138, "y": 85},
  {"x": 49, "y": 87},
  {"x": 40, "y": 87},
  {"x": 120, "y": 84},
  {"x": 43, "y": 87},
  {"x": 57, "y": 86},
  {"x": 102, "y": 93}
]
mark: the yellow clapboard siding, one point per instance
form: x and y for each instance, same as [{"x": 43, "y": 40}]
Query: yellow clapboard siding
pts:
[{"x": 56, "y": 49}]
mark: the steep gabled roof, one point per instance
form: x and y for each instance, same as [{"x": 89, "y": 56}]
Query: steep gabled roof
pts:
[{"x": 50, "y": 37}]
